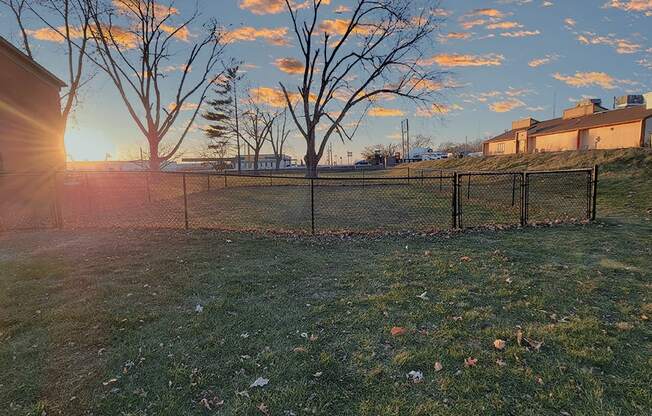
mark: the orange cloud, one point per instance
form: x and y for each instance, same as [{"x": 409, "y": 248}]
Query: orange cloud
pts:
[
  {"x": 183, "y": 33},
  {"x": 261, "y": 7},
  {"x": 469, "y": 24},
  {"x": 505, "y": 106},
  {"x": 274, "y": 36},
  {"x": 458, "y": 60},
  {"x": 290, "y": 65},
  {"x": 458, "y": 35},
  {"x": 622, "y": 46},
  {"x": 50, "y": 35},
  {"x": 274, "y": 97},
  {"x": 586, "y": 79},
  {"x": 631, "y": 5},
  {"x": 385, "y": 112},
  {"x": 160, "y": 10},
  {"x": 495, "y": 13},
  {"x": 535, "y": 63},
  {"x": 339, "y": 27},
  {"x": 504, "y": 25},
  {"x": 520, "y": 33},
  {"x": 122, "y": 37},
  {"x": 184, "y": 106}
]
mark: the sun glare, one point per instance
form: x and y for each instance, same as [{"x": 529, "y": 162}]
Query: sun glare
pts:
[{"x": 87, "y": 144}]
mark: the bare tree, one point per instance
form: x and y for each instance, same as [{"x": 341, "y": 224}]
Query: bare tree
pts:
[
  {"x": 421, "y": 140},
  {"x": 218, "y": 150},
  {"x": 278, "y": 135},
  {"x": 67, "y": 22},
  {"x": 137, "y": 56},
  {"x": 377, "y": 51},
  {"x": 385, "y": 151},
  {"x": 18, "y": 8},
  {"x": 256, "y": 125}
]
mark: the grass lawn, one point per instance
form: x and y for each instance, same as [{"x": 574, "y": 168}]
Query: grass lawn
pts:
[{"x": 100, "y": 322}]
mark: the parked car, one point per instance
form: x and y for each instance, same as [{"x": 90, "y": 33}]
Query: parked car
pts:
[
  {"x": 434, "y": 156},
  {"x": 362, "y": 164}
]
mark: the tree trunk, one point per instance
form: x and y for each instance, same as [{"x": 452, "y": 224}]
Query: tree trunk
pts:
[
  {"x": 154, "y": 160},
  {"x": 278, "y": 163},
  {"x": 312, "y": 160},
  {"x": 256, "y": 155}
]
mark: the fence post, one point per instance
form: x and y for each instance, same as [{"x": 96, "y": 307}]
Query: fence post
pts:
[
  {"x": 225, "y": 183},
  {"x": 513, "y": 189},
  {"x": 149, "y": 194},
  {"x": 594, "y": 194},
  {"x": 455, "y": 202},
  {"x": 408, "y": 175},
  {"x": 88, "y": 193},
  {"x": 468, "y": 188},
  {"x": 312, "y": 205},
  {"x": 524, "y": 199},
  {"x": 421, "y": 177},
  {"x": 58, "y": 219},
  {"x": 185, "y": 201},
  {"x": 441, "y": 180}
]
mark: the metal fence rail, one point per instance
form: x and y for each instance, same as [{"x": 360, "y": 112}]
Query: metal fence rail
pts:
[{"x": 287, "y": 203}]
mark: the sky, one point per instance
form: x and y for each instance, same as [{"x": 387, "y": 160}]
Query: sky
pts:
[{"x": 507, "y": 59}]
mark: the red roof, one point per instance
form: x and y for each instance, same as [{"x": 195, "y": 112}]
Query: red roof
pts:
[{"x": 560, "y": 125}]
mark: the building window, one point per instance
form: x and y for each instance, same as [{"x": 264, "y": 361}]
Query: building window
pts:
[{"x": 500, "y": 148}]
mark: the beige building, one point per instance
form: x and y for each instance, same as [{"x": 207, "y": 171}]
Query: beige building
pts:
[{"x": 586, "y": 126}]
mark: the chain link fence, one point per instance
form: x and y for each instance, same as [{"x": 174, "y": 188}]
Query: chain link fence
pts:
[{"x": 427, "y": 202}]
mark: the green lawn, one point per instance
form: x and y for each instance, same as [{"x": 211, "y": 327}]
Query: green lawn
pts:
[{"x": 105, "y": 323}]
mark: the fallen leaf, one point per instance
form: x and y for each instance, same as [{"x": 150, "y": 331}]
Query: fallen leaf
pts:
[
  {"x": 415, "y": 376},
  {"x": 438, "y": 366},
  {"x": 423, "y": 296},
  {"x": 113, "y": 380},
  {"x": 624, "y": 326},
  {"x": 199, "y": 308},
  {"x": 501, "y": 363},
  {"x": 299, "y": 349},
  {"x": 465, "y": 258},
  {"x": 260, "y": 382},
  {"x": 262, "y": 408},
  {"x": 499, "y": 344},
  {"x": 313, "y": 338},
  {"x": 398, "y": 331},
  {"x": 318, "y": 374},
  {"x": 470, "y": 362},
  {"x": 534, "y": 344},
  {"x": 540, "y": 380},
  {"x": 427, "y": 253},
  {"x": 519, "y": 337}
]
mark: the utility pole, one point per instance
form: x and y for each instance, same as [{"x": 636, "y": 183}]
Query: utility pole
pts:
[
  {"x": 405, "y": 138},
  {"x": 237, "y": 123}
]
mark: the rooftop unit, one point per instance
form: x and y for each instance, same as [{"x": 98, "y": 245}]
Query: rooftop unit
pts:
[
  {"x": 648, "y": 100},
  {"x": 523, "y": 123},
  {"x": 584, "y": 108},
  {"x": 630, "y": 101}
]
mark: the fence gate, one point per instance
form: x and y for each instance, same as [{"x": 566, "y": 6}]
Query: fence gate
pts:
[{"x": 486, "y": 199}]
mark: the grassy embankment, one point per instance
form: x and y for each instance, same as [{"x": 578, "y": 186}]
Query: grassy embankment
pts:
[{"x": 106, "y": 323}]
